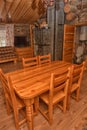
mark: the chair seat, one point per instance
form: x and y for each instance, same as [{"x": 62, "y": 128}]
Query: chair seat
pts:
[
  {"x": 58, "y": 96},
  {"x": 74, "y": 87}
]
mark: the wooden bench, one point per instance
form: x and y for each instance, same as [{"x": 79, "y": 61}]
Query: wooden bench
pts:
[
  {"x": 25, "y": 52},
  {"x": 7, "y": 54}
]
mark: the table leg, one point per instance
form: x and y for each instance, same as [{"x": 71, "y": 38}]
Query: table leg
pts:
[{"x": 29, "y": 113}]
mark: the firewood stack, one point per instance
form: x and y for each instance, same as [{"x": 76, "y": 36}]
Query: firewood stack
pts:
[{"x": 75, "y": 11}]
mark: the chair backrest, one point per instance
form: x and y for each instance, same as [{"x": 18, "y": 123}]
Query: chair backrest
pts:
[
  {"x": 12, "y": 98},
  {"x": 59, "y": 82},
  {"x": 44, "y": 59},
  {"x": 30, "y": 62},
  {"x": 5, "y": 86},
  {"x": 8, "y": 90},
  {"x": 15, "y": 99},
  {"x": 77, "y": 73}
]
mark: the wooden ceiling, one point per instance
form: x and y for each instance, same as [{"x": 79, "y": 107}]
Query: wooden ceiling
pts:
[{"x": 21, "y": 11}]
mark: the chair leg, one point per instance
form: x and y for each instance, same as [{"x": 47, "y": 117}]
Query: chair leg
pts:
[
  {"x": 64, "y": 104},
  {"x": 68, "y": 101},
  {"x": 50, "y": 114},
  {"x": 77, "y": 94},
  {"x": 16, "y": 119},
  {"x": 8, "y": 108}
]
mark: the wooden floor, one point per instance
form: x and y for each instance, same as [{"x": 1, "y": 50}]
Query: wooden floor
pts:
[{"x": 74, "y": 119}]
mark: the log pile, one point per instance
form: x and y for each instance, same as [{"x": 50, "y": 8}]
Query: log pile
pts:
[{"x": 75, "y": 11}]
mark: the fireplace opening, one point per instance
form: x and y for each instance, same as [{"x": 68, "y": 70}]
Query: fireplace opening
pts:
[{"x": 21, "y": 41}]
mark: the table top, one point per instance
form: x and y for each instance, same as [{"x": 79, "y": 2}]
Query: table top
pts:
[{"x": 31, "y": 82}]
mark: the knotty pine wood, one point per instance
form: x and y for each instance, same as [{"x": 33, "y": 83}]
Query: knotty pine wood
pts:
[
  {"x": 68, "y": 43},
  {"x": 74, "y": 119},
  {"x": 22, "y": 11}
]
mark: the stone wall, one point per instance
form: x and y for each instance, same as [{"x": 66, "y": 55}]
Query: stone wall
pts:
[
  {"x": 80, "y": 43},
  {"x": 42, "y": 41}
]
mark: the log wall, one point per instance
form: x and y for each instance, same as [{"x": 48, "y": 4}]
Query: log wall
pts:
[{"x": 75, "y": 11}]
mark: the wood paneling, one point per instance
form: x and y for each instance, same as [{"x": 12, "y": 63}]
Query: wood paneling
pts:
[
  {"x": 21, "y": 11},
  {"x": 68, "y": 43}
]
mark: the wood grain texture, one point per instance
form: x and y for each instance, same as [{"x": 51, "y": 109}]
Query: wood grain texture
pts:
[
  {"x": 74, "y": 119},
  {"x": 68, "y": 43},
  {"x": 30, "y": 62},
  {"x": 21, "y": 11}
]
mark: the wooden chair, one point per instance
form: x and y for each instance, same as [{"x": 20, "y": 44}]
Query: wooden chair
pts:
[
  {"x": 30, "y": 62},
  {"x": 21, "y": 108},
  {"x": 57, "y": 94},
  {"x": 44, "y": 59},
  {"x": 6, "y": 92},
  {"x": 76, "y": 79},
  {"x": 12, "y": 101}
]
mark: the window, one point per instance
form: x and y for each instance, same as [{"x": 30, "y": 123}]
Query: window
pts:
[{"x": 2, "y": 36}]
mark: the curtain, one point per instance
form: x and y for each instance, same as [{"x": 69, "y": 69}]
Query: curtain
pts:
[
  {"x": 2, "y": 36},
  {"x": 9, "y": 34}
]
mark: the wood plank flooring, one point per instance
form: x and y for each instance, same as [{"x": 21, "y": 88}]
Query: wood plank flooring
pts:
[{"x": 74, "y": 119}]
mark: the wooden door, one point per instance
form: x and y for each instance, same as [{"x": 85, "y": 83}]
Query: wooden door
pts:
[{"x": 68, "y": 43}]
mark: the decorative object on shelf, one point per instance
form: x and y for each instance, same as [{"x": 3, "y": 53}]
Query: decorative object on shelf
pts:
[{"x": 44, "y": 25}]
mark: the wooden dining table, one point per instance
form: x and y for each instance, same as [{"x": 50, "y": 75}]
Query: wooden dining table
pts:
[{"x": 29, "y": 83}]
